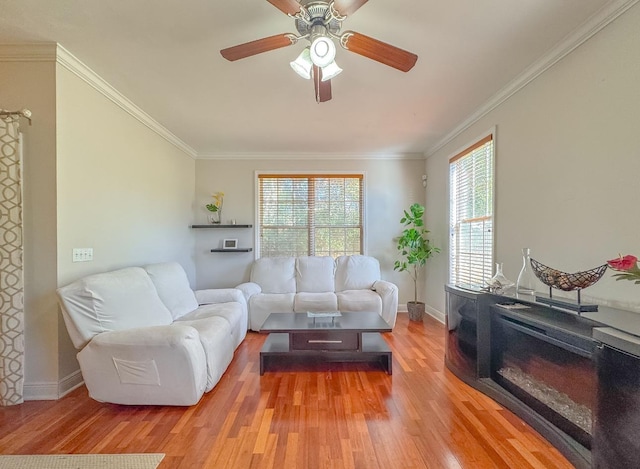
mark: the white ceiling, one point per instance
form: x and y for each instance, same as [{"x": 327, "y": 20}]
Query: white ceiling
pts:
[{"x": 164, "y": 56}]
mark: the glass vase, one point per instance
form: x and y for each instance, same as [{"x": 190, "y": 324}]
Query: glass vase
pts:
[
  {"x": 499, "y": 283},
  {"x": 215, "y": 217},
  {"x": 526, "y": 280}
]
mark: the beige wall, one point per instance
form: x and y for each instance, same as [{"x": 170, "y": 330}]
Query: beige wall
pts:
[
  {"x": 122, "y": 190},
  {"x": 94, "y": 176},
  {"x": 32, "y": 85},
  {"x": 567, "y": 166},
  {"x": 391, "y": 186}
]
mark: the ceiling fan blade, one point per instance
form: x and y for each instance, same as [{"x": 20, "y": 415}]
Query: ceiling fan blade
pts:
[
  {"x": 257, "y": 47},
  {"x": 379, "y": 51},
  {"x": 290, "y": 7},
  {"x": 347, "y": 7},
  {"x": 322, "y": 88}
]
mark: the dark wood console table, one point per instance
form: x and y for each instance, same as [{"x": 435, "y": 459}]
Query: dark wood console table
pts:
[{"x": 575, "y": 379}]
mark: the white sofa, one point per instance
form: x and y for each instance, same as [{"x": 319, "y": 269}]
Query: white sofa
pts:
[
  {"x": 310, "y": 283},
  {"x": 146, "y": 338}
]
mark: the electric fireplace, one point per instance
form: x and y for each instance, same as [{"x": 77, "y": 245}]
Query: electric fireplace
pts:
[
  {"x": 575, "y": 379},
  {"x": 549, "y": 367}
]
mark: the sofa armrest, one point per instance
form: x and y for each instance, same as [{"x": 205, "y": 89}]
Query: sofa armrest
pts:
[
  {"x": 157, "y": 365},
  {"x": 249, "y": 289},
  {"x": 389, "y": 294},
  {"x": 152, "y": 336},
  {"x": 223, "y": 295},
  {"x": 219, "y": 295}
]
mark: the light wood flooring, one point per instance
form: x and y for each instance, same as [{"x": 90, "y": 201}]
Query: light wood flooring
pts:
[{"x": 333, "y": 416}]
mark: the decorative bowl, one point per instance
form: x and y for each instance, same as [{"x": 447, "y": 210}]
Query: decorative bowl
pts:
[{"x": 564, "y": 281}]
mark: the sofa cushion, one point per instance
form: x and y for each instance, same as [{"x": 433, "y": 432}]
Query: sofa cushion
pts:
[
  {"x": 356, "y": 272},
  {"x": 261, "y": 305},
  {"x": 173, "y": 287},
  {"x": 111, "y": 301},
  {"x": 275, "y": 274},
  {"x": 315, "y": 302},
  {"x": 315, "y": 274},
  {"x": 359, "y": 300}
]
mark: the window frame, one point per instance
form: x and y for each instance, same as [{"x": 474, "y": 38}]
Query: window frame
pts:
[
  {"x": 467, "y": 150},
  {"x": 260, "y": 173}
]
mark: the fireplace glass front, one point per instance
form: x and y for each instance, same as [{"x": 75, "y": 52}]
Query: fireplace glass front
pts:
[{"x": 552, "y": 376}]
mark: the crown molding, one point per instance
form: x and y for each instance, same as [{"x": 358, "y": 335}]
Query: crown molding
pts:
[
  {"x": 590, "y": 28},
  {"x": 45, "y": 52},
  {"x": 310, "y": 156},
  {"x": 82, "y": 71}
]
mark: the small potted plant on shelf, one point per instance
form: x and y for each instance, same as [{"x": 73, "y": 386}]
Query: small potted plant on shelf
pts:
[
  {"x": 415, "y": 249},
  {"x": 215, "y": 208}
]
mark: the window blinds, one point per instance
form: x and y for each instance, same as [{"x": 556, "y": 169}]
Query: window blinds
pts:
[
  {"x": 310, "y": 214},
  {"x": 471, "y": 185}
]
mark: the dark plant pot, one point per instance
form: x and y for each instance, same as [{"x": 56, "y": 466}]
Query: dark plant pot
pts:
[{"x": 416, "y": 310}]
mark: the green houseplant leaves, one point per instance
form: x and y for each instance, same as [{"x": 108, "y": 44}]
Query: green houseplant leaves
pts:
[{"x": 413, "y": 245}]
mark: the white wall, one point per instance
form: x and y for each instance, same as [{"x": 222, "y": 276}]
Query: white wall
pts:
[
  {"x": 567, "y": 166},
  {"x": 391, "y": 186}
]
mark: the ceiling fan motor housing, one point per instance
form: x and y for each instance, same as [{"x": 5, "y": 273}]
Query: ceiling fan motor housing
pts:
[{"x": 316, "y": 13}]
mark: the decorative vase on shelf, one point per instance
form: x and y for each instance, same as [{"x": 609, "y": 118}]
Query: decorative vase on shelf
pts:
[
  {"x": 215, "y": 208},
  {"x": 526, "y": 280},
  {"x": 215, "y": 217},
  {"x": 499, "y": 283}
]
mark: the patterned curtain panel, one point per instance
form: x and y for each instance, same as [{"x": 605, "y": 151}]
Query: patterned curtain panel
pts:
[{"x": 11, "y": 276}]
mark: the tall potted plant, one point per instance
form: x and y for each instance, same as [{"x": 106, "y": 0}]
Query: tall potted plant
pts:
[{"x": 415, "y": 249}]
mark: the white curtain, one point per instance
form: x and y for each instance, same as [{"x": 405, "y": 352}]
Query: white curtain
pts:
[{"x": 11, "y": 271}]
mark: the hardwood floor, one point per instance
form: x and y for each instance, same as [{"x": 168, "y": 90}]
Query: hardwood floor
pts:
[{"x": 334, "y": 416}]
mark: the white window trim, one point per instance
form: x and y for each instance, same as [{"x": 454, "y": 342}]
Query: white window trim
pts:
[{"x": 490, "y": 132}]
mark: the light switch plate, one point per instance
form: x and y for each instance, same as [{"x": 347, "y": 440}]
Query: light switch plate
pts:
[{"x": 82, "y": 254}]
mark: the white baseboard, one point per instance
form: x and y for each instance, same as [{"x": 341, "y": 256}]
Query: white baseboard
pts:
[
  {"x": 51, "y": 391},
  {"x": 439, "y": 315},
  {"x": 402, "y": 308},
  {"x": 69, "y": 383}
]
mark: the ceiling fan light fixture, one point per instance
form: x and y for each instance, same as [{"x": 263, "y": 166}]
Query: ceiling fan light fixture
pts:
[
  {"x": 331, "y": 71},
  {"x": 322, "y": 51},
  {"x": 303, "y": 65}
]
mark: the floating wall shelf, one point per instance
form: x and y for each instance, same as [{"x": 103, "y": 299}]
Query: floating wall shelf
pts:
[
  {"x": 221, "y": 226},
  {"x": 226, "y": 226}
]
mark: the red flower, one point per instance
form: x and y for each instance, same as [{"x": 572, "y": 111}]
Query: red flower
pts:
[{"x": 625, "y": 263}]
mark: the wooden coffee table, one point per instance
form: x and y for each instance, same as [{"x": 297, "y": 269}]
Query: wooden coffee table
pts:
[{"x": 351, "y": 337}]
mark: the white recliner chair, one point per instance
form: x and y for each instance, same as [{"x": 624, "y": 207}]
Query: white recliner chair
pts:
[{"x": 144, "y": 337}]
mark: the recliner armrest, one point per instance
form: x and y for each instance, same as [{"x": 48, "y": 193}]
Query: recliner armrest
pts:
[
  {"x": 249, "y": 289},
  {"x": 173, "y": 334},
  {"x": 219, "y": 295},
  {"x": 156, "y": 365},
  {"x": 383, "y": 287},
  {"x": 223, "y": 295},
  {"x": 389, "y": 294}
]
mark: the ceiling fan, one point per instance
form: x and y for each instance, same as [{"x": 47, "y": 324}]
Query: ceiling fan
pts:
[{"x": 320, "y": 21}]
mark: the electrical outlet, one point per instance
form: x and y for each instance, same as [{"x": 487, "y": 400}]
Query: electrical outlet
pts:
[{"x": 82, "y": 254}]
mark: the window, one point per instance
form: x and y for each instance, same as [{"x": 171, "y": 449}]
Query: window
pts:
[
  {"x": 310, "y": 214},
  {"x": 471, "y": 187}
]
